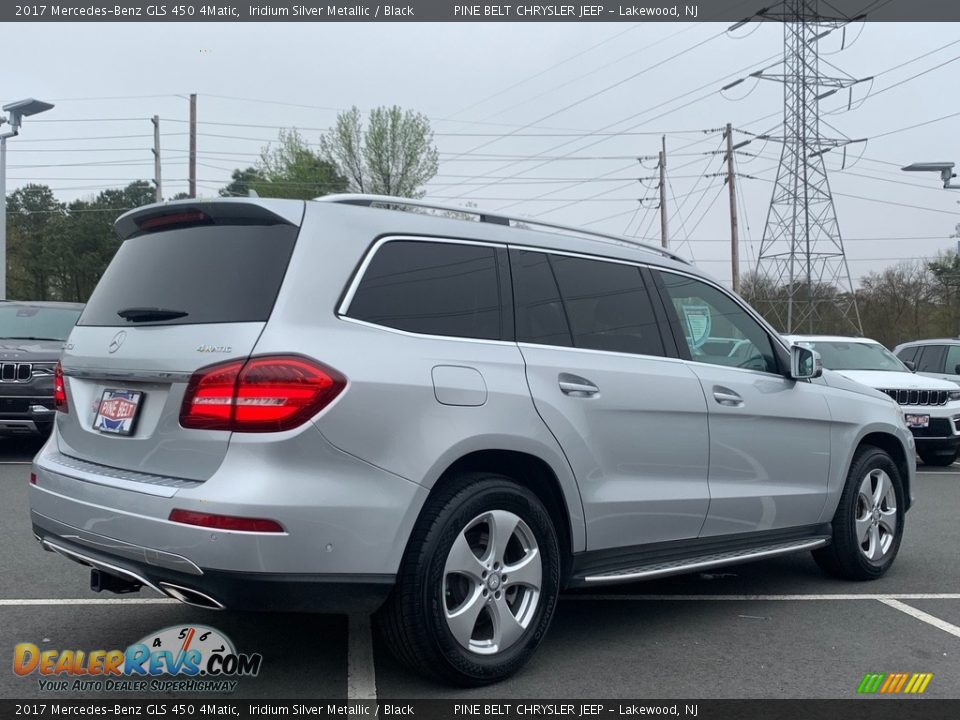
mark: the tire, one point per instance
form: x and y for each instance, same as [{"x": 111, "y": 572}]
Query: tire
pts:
[
  {"x": 938, "y": 459},
  {"x": 458, "y": 520},
  {"x": 865, "y": 549}
]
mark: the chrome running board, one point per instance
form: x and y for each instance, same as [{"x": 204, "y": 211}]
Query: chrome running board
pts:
[{"x": 702, "y": 562}]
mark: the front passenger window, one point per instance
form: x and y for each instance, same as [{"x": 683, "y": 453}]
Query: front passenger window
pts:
[{"x": 716, "y": 328}]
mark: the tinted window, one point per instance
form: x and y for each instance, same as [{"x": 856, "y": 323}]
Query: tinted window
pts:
[
  {"x": 31, "y": 322},
  {"x": 953, "y": 359},
  {"x": 931, "y": 359},
  {"x": 214, "y": 274},
  {"x": 854, "y": 355},
  {"x": 716, "y": 328},
  {"x": 909, "y": 353},
  {"x": 607, "y": 305},
  {"x": 539, "y": 311},
  {"x": 432, "y": 288}
]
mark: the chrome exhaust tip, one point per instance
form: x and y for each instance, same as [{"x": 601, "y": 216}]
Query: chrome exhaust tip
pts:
[{"x": 189, "y": 596}]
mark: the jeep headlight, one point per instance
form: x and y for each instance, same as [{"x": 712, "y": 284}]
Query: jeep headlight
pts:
[{"x": 953, "y": 395}]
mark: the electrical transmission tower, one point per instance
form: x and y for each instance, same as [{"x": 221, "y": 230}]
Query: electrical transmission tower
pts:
[{"x": 803, "y": 282}]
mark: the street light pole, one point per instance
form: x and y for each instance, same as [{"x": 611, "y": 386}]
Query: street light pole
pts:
[{"x": 18, "y": 111}]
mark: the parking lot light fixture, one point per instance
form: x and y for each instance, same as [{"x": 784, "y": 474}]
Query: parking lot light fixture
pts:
[
  {"x": 944, "y": 168},
  {"x": 14, "y": 114}
]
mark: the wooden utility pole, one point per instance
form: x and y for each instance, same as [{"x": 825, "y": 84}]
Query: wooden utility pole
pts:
[
  {"x": 193, "y": 145},
  {"x": 157, "y": 180},
  {"x": 734, "y": 241},
  {"x": 664, "y": 240}
]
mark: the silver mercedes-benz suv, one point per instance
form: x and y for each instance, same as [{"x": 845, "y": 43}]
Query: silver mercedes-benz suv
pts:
[{"x": 361, "y": 405}]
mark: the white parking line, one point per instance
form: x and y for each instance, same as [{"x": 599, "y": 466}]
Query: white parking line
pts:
[
  {"x": 921, "y": 615},
  {"x": 851, "y": 596},
  {"x": 361, "y": 672}
]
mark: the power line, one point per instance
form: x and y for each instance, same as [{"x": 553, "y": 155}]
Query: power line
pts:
[
  {"x": 641, "y": 113},
  {"x": 547, "y": 70},
  {"x": 604, "y": 89}
]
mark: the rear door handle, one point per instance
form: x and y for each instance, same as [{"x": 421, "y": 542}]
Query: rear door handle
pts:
[
  {"x": 727, "y": 397},
  {"x": 576, "y": 386}
]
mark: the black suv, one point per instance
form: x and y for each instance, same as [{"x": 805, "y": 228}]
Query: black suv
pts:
[{"x": 32, "y": 335}]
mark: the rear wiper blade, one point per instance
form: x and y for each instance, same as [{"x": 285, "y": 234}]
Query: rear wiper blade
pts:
[
  {"x": 145, "y": 314},
  {"x": 29, "y": 337}
]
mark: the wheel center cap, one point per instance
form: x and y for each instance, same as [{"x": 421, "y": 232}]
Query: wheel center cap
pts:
[{"x": 493, "y": 581}]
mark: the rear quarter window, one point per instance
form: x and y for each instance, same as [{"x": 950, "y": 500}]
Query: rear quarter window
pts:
[{"x": 433, "y": 288}]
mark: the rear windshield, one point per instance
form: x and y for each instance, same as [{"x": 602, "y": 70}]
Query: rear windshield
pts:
[
  {"x": 31, "y": 322},
  {"x": 209, "y": 274}
]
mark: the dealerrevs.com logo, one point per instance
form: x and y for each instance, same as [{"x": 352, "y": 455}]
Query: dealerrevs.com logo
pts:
[{"x": 192, "y": 658}]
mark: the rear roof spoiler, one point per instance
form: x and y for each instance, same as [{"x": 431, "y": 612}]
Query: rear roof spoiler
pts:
[{"x": 242, "y": 211}]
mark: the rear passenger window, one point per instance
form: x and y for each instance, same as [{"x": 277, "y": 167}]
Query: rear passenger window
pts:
[
  {"x": 931, "y": 359},
  {"x": 539, "y": 312},
  {"x": 432, "y": 288},
  {"x": 953, "y": 360},
  {"x": 607, "y": 305}
]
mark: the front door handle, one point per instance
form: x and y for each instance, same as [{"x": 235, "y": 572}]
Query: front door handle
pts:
[
  {"x": 576, "y": 386},
  {"x": 727, "y": 397}
]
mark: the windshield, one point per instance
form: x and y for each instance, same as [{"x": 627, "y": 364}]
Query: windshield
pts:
[
  {"x": 25, "y": 322},
  {"x": 856, "y": 356}
]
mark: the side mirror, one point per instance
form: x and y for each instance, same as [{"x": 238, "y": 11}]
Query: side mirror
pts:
[
  {"x": 911, "y": 365},
  {"x": 956, "y": 369},
  {"x": 804, "y": 363}
]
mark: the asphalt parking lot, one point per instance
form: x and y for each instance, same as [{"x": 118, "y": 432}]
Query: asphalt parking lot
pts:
[{"x": 774, "y": 629}]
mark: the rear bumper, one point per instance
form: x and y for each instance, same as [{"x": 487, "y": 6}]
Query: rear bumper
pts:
[
  {"x": 26, "y": 414},
  {"x": 217, "y": 589},
  {"x": 345, "y": 524}
]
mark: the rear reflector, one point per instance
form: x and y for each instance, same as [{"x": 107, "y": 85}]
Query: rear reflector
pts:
[
  {"x": 33, "y": 478},
  {"x": 225, "y": 522},
  {"x": 262, "y": 394},
  {"x": 59, "y": 390}
]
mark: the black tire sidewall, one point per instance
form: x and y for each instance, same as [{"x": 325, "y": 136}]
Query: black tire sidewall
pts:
[
  {"x": 845, "y": 531},
  {"x": 493, "y": 493}
]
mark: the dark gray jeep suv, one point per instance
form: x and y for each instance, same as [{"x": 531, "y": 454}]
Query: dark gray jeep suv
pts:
[{"x": 32, "y": 335}]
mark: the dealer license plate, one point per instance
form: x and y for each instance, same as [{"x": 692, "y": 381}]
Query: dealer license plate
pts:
[
  {"x": 917, "y": 421},
  {"x": 117, "y": 413}
]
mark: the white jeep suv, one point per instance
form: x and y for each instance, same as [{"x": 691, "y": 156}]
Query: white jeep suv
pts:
[{"x": 931, "y": 406}]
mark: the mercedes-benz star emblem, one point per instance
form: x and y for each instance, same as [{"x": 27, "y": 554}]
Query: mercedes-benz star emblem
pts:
[{"x": 117, "y": 341}]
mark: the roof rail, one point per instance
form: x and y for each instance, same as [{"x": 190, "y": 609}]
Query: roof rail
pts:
[{"x": 495, "y": 218}]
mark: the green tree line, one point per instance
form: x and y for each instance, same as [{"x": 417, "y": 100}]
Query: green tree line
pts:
[{"x": 58, "y": 250}]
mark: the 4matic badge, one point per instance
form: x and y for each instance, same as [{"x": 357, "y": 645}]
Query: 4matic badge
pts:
[{"x": 204, "y": 656}]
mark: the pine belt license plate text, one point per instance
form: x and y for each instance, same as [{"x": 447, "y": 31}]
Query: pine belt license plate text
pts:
[
  {"x": 117, "y": 412},
  {"x": 917, "y": 421}
]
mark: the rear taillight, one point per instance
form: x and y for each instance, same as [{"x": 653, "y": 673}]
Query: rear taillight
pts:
[
  {"x": 59, "y": 390},
  {"x": 225, "y": 522},
  {"x": 262, "y": 394}
]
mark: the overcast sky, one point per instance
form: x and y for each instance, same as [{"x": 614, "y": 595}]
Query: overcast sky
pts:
[{"x": 605, "y": 92}]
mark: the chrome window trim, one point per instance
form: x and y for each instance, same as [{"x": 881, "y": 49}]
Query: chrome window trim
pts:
[{"x": 344, "y": 306}]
